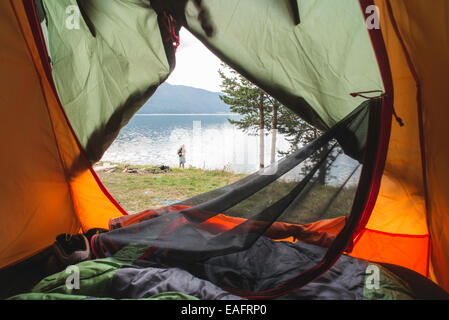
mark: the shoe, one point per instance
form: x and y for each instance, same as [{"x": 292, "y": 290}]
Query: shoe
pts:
[{"x": 71, "y": 249}]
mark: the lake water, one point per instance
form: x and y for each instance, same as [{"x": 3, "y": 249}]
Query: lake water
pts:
[{"x": 211, "y": 142}]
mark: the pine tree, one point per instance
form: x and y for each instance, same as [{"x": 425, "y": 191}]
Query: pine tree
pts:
[
  {"x": 299, "y": 133},
  {"x": 248, "y": 100},
  {"x": 262, "y": 113}
]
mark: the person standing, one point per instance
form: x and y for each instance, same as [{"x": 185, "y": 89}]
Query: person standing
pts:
[{"x": 182, "y": 156}]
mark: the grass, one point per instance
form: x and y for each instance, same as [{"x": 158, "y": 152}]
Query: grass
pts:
[
  {"x": 320, "y": 202},
  {"x": 151, "y": 188}
]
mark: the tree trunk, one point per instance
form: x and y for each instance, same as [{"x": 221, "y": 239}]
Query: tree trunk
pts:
[
  {"x": 273, "y": 133},
  {"x": 322, "y": 174},
  {"x": 261, "y": 132}
]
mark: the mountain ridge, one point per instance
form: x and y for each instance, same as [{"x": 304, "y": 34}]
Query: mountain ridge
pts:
[{"x": 181, "y": 99}]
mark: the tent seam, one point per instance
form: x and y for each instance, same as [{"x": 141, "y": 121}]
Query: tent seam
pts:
[{"x": 420, "y": 121}]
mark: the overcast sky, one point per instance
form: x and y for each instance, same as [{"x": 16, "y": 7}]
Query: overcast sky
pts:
[{"x": 196, "y": 66}]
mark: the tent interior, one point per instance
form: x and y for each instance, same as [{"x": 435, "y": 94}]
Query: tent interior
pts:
[{"x": 369, "y": 74}]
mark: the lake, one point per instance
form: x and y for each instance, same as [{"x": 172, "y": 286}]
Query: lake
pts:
[{"x": 210, "y": 140}]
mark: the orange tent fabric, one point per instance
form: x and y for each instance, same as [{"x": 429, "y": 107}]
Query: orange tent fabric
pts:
[
  {"x": 320, "y": 233},
  {"x": 411, "y": 211},
  {"x": 50, "y": 186}
]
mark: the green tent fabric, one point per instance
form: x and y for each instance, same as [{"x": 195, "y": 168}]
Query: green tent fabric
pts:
[
  {"x": 311, "y": 67},
  {"x": 116, "y": 59},
  {"x": 106, "y": 69}
]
